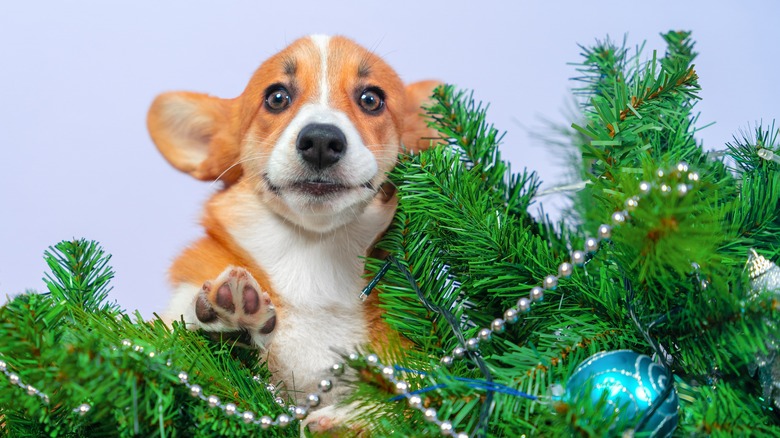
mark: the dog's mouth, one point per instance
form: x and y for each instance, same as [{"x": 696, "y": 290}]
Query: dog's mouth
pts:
[{"x": 317, "y": 188}]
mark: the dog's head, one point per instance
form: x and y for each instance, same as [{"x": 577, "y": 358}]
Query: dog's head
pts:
[{"x": 313, "y": 134}]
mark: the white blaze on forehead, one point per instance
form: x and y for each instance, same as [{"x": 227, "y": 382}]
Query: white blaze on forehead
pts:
[
  {"x": 357, "y": 168},
  {"x": 321, "y": 42}
]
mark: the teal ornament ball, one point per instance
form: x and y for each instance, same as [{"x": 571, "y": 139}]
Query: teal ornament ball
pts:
[{"x": 633, "y": 383}]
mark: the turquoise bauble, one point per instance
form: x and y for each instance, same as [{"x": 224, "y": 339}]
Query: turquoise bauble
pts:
[{"x": 633, "y": 383}]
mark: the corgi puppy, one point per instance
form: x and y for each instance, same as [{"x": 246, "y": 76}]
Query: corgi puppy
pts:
[{"x": 303, "y": 154}]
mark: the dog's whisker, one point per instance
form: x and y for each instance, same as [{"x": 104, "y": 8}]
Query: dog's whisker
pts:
[{"x": 241, "y": 161}]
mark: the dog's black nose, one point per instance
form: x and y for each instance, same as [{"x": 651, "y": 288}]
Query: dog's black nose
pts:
[{"x": 321, "y": 145}]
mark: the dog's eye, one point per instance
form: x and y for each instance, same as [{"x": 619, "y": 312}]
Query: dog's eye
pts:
[
  {"x": 277, "y": 99},
  {"x": 371, "y": 100}
]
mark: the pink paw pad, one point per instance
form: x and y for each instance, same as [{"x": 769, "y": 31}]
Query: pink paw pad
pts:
[{"x": 238, "y": 302}]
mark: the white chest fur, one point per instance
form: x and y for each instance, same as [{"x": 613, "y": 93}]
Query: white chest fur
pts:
[{"x": 318, "y": 278}]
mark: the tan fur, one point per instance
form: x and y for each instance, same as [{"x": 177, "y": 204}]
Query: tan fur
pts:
[{"x": 207, "y": 258}]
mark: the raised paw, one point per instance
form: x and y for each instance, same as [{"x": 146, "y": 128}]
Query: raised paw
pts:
[{"x": 235, "y": 302}]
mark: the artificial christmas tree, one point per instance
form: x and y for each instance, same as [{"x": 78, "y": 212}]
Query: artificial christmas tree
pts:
[{"x": 650, "y": 310}]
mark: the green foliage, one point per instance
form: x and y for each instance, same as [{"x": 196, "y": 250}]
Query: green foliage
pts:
[
  {"x": 672, "y": 277},
  {"x": 463, "y": 230},
  {"x": 68, "y": 344}
]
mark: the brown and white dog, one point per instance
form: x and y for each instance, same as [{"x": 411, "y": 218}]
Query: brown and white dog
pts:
[{"x": 303, "y": 154}]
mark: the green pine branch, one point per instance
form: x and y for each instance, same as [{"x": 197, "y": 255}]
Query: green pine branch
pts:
[
  {"x": 69, "y": 345},
  {"x": 669, "y": 282}
]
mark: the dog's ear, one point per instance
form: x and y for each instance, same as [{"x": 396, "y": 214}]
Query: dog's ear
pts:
[
  {"x": 194, "y": 133},
  {"x": 417, "y": 136}
]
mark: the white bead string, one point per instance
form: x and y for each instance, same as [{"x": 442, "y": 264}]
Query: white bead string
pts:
[
  {"x": 415, "y": 401},
  {"x": 577, "y": 258},
  {"x": 510, "y": 316},
  {"x": 297, "y": 412},
  {"x": 14, "y": 379}
]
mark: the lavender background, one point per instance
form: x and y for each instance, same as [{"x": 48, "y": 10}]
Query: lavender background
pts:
[{"x": 76, "y": 79}]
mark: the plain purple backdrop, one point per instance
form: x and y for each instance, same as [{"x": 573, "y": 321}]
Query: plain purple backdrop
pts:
[{"x": 76, "y": 79}]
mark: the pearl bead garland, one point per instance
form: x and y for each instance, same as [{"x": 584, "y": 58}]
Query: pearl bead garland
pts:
[
  {"x": 414, "y": 401},
  {"x": 577, "y": 258},
  {"x": 195, "y": 390},
  {"x": 265, "y": 422},
  {"x": 231, "y": 409},
  {"x": 498, "y": 325},
  {"x": 14, "y": 379}
]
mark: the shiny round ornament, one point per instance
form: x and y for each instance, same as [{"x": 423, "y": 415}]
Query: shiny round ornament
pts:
[
  {"x": 472, "y": 344},
  {"x": 283, "y": 420},
  {"x": 248, "y": 417},
  {"x": 83, "y": 408},
  {"x": 266, "y": 422},
  {"x": 325, "y": 385},
  {"x": 337, "y": 369},
  {"x": 213, "y": 401},
  {"x": 550, "y": 282},
  {"x": 605, "y": 231},
  {"x": 577, "y": 258},
  {"x": 196, "y": 390},
  {"x": 3, "y": 365},
  {"x": 14, "y": 379},
  {"x": 459, "y": 352},
  {"x": 510, "y": 315},
  {"x": 312, "y": 400},
  {"x": 537, "y": 294},
  {"x": 372, "y": 359},
  {"x": 447, "y": 361},
  {"x": 485, "y": 334},
  {"x": 498, "y": 325},
  {"x": 591, "y": 244},
  {"x": 633, "y": 383},
  {"x": 300, "y": 412},
  {"x": 618, "y": 217},
  {"x": 524, "y": 305},
  {"x": 565, "y": 269},
  {"x": 231, "y": 409},
  {"x": 388, "y": 372},
  {"x": 415, "y": 401}
]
